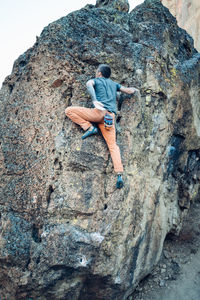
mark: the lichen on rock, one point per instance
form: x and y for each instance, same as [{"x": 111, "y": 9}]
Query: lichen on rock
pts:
[{"x": 66, "y": 232}]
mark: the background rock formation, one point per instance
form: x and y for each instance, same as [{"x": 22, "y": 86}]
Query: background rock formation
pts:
[
  {"x": 187, "y": 13},
  {"x": 66, "y": 232}
]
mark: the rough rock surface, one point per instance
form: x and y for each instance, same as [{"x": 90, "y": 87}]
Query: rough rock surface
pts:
[
  {"x": 176, "y": 277},
  {"x": 66, "y": 232},
  {"x": 122, "y": 5},
  {"x": 187, "y": 13}
]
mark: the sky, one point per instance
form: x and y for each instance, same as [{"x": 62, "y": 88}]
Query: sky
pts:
[{"x": 22, "y": 20}]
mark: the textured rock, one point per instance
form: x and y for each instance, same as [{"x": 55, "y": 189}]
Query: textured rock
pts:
[
  {"x": 66, "y": 232},
  {"x": 121, "y": 5},
  {"x": 187, "y": 13}
]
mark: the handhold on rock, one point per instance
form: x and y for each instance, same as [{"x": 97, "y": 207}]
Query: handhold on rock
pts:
[{"x": 121, "y": 5}]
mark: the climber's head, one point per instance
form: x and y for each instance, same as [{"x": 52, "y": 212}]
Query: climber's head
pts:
[{"x": 103, "y": 71}]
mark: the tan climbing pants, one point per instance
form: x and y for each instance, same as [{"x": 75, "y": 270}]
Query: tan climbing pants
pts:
[{"x": 84, "y": 116}]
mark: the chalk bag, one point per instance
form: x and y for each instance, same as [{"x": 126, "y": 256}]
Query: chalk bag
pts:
[{"x": 108, "y": 121}]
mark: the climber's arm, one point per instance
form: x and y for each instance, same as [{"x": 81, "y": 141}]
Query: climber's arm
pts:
[
  {"x": 128, "y": 90},
  {"x": 90, "y": 87}
]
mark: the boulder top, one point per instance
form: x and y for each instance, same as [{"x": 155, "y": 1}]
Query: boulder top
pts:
[{"x": 121, "y": 5}]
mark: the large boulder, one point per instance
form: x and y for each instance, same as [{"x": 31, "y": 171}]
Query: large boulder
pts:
[{"x": 66, "y": 231}]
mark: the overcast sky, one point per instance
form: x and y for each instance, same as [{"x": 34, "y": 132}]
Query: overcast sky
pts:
[{"x": 22, "y": 20}]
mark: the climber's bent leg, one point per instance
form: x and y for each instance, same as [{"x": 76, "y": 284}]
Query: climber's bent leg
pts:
[{"x": 84, "y": 116}]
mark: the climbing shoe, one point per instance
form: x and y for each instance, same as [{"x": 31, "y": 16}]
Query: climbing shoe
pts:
[
  {"x": 120, "y": 182},
  {"x": 91, "y": 131}
]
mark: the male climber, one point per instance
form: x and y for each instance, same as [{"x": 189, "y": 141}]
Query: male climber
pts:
[{"x": 103, "y": 92}]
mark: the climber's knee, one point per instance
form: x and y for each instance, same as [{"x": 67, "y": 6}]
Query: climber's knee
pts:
[{"x": 68, "y": 111}]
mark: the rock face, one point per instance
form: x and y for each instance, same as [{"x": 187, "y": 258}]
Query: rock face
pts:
[
  {"x": 66, "y": 232},
  {"x": 187, "y": 13}
]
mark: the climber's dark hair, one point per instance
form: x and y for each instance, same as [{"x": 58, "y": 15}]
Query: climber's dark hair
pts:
[{"x": 105, "y": 70}]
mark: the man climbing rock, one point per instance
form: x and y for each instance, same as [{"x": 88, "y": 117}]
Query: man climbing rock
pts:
[{"x": 103, "y": 92}]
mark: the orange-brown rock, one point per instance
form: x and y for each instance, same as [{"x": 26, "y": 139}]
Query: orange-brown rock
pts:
[{"x": 187, "y": 13}]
